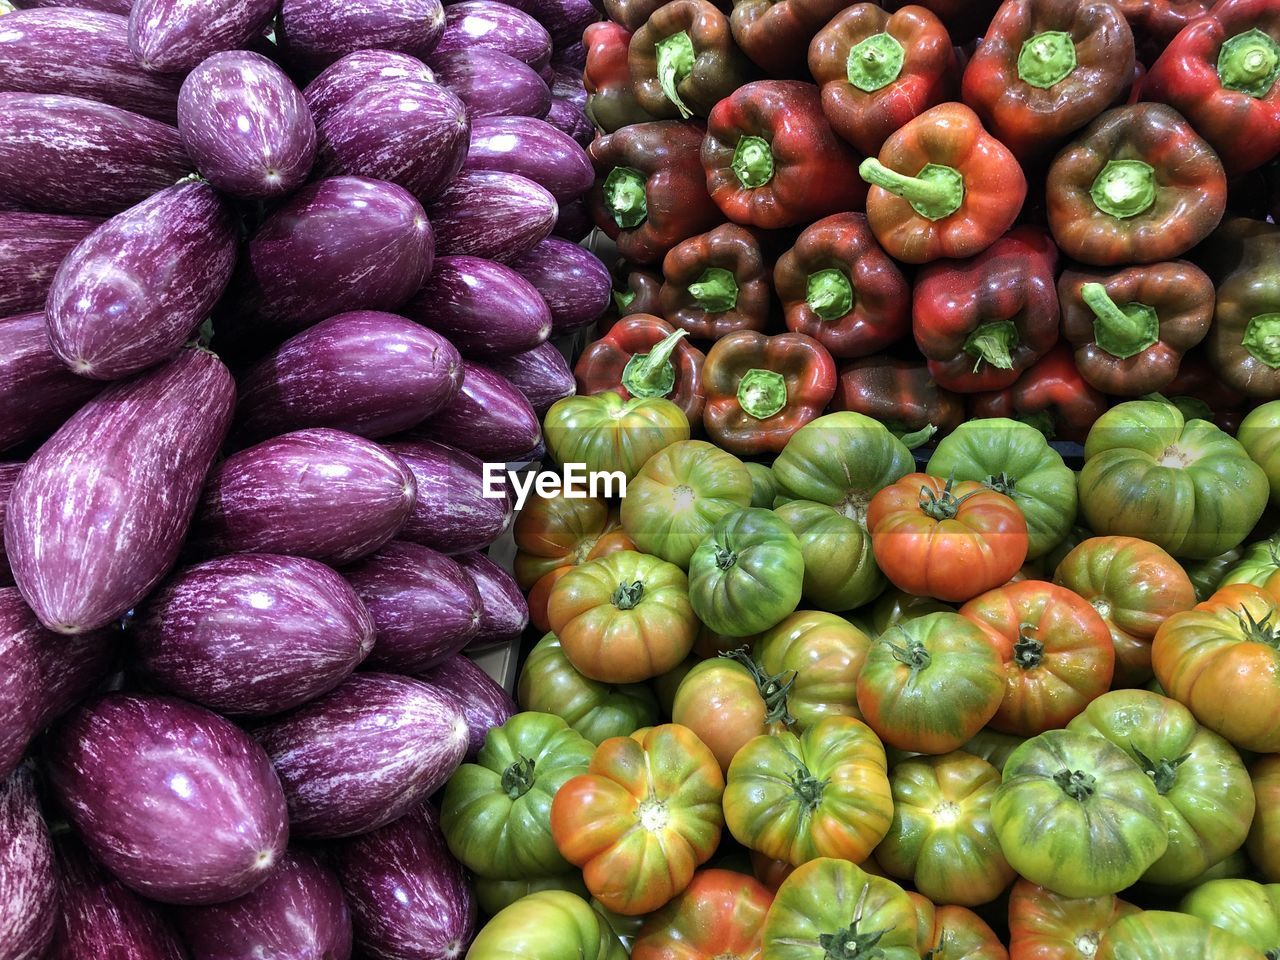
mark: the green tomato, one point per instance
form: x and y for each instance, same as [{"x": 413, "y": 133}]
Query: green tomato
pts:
[
  {"x": 606, "y": 433},
  {"x": 897, "y": 606},
  {"x": 1259, "y": 434},
  {"x": 1207, "y": 575},
  {"x": 495, "y": 895},
  {"x": 747, "y": 576},
  {"x": 764, "y": 487},
  {"x": 994, "y": 747},
  {"x": 1249, "y": 910},
  {"x": 840, "y": 570},
  {"x": 546, "y": 924},
  {"x": 1015, "y": 459},
  {"x": 1258, "y": 564},
  {"x": 1162, "y": 935}
]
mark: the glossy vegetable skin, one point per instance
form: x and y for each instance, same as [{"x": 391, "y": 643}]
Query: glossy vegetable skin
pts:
[
  {"x": 643, "y": 355},
  {"x": 747, "y": 575},
  {"x": 716, "y": 283},
  {"x": 720, "y": 913},
  {"x": 1046, "y": 926},
  {"x": 683, "y": 60},
  {"x": 547, "y": 923},
  {"x": 607, "y": 433}
]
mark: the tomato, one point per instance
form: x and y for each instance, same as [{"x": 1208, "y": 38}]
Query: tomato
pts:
[
  {"x": 549, "y": 923},
  {"x": 711, "y": 644},
  {"x": 678, "y": 496},
  {"x": 728, "y": 701},
  {"x": 770, "y": 872},
  {"x": 1206, "y": 575},
  {"x": 1247, "y": 909},
  {"x": 1056, "y": 650},
  {"x": 1259, "y": 565},
  {"x": 994, "y": 747},
  {"x": 623, "y": 618},
  {"x": 840, "y": 571},
  {"x": 1045, "y": 926},
  {"x": 746, "y": 577},
  {"x": 495, "y": 895},
  {"x": 623, "y": 926},
  {"x": 1264, "y": 835},
  {"x": 550, "y": 684},
  {"x": 1076, "y": 815},
  {"x": 642, "y": 818},
  {"x": 1182, "y": 484},
  {"x": 666, "y": 684},
  {"x": 944, "y": 540},
  {"x": 941, "y": 838},
  {"x": 930, "y": 684},
  {"x": 823, "y": 655},
  {"x": 1135, "y": 586},
  {"x": 821, "y": 794},
  {"x": 1162, "y": 935},
  {"x": 606, "y": 433},
  {"x": 954, "y": 933},
  {"x": 764, "y": 487},
  {"x": 1015, "y": 459},
  {"x": 896, "y": 606},
  {"x": 1259, "y": 434},
  {"x": 720, "y": 916}
]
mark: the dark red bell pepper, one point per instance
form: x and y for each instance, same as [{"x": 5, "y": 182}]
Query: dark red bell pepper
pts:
[
  {"x": 630, "y": 14},
  {"x": 1051, "y": 396},
  {"x": 1199, "y": 392},
  {"x": 683, "y": 60},
  {"x": 761, "y": 389},
  {"x": 1243, "y": 257},
  {"x": 772, "y": 159},
  {"x": 635, "y": 290},
  {"x": 1223, "y": 74},
  {"x": 965, "y": 20},
  {"x": 1156, "y": 22},
  {"x": 644, "y": 356},
  {"x": 902, "y": 395},
  {"x": 716, "y": 283},
  {"x": 775, "y": 33},
  {"x": 980, "y": 323},
  {"x": 839, "y": 287},
  {"x": 611, "y": 101}
]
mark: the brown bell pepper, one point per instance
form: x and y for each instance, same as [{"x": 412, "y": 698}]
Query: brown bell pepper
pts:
[
  {"x": 877, "y": 70},
  {"x": 1156, "y": 22},
  {"x": 1244, "y": 343},
  {"x": 1051, "y": 396},
  {"x": 965, "y": 20},
  {"x": 775, "y": 33},
  {"x": 716, "y": 283},
  {"x": 837, "y": 286},
  {"x": 636, "y": 290},
  {"x": 1045, "y": 68},
  {"x": 1137, "y": 186},
  {"x": 683, "y": 60},
  {"x": 630, "y": 14},
  {"x": 1130, "y": 328},
  {"x": 1200, "y": 393},
  {"x": 902, "y": 395},
  {"x": 644, "y": 356},
  {"x": 942, "y": 187},
  {"x": 649, "y": 192},
  {"x": 611, "y": 101}
]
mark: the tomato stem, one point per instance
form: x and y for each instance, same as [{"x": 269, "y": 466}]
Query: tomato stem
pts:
[
  {"x": 1076, "y": 784},
  {"x": 942, "y": 506},
  {"x": 1259, "y": 631},
  {"x": 849, "y": 943},
  {"x": 628, "y": 595},
  {"x": 913, "y": 655},
  {"x": 1027, "y": 651},
  {"x": 1163, "y": 772},
  {"x": 774, "y": 690},
  {"x": 517, "y": 779},
  {"x": 808, "y": 788}
]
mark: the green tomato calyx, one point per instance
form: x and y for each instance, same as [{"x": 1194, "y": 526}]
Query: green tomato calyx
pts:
[
  {"x": 1163, "y": 772},
  {"x": 1027, "y": 651},
  {"x": 1047, "y": 59},
  {"x": 752, "y": 162},
  {"x": 675, "y": 57},
  {"x": 913, "y": 654},
  {"x": 774, "y": 689},
  {"x": 829, "y": 294},
  {"x": 993, "y": 343},
  {"x": 1262, "y": 339},
  {"x": 716, "y": 291},
  {"x": 762, "y": 393},
  {"x": 1124, "y": 330},
  {"x": 851, "y": 943},
  {"x": 1249, "y": 63},
  {"x": 628, "y": 595},
  {"x": 1076, "y": 784},
  {"x": 807, "y": 787},
  {"x": 653, "y": 374},
  {"x": 725, "y": 558},
  {"x": 1002, "y": 483},
  {"x": 936, "y": 192},
  {"x": 875, "y": 62},
  {"x": 1259, "y": 631},
  {"x": 517, "y": 779},
  {"x": 942, "y": 506},
  {"x": 625, "y": 198},
  {"x": 1124, "y": 188}
]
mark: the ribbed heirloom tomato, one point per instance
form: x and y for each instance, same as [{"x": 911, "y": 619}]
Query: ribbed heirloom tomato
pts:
[
  {"x": 1164, "y": 935},
  {"x": 719, "y": 916},
  {"x": 949, "y": 931},
  {"x": 1046, "y": 926},
  {"x": 823, "y": 654},
  {"x": 1245, "y": 908},
  {"x": 549, "y": 923},
  {"x": 1264, "y": 835},
  {"x": 728, "y": 700}
]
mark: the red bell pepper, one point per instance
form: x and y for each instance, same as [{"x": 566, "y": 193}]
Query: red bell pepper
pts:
[
  {"x": 631, "y": 14},
  {"x": 683, "y": 60},
  {"x": 772, "y": 159},
  {"x": 637, "y": 290},
  {"x": 775, "y": 33},
  {"x": 761, "y": 390},
  {"x": 1222, "y": 74},
  {"x": 1156, "y": 22},
  {"x": 1199, "y": 392},
  {"x": 982, "y": 322},
  {"x": 611, "y": 102},
  {"x": 644, "y": 356},
  {"x": 902, "y": 395},
  {"x": 839, "y": 287},
  {"x": 942, "y": 187},
  {"x": 716, "y": 283},
  {"x": 1051, "y": 396},
  {"x": 878, "y": 70},
  {"x": 965, "y": 20}
]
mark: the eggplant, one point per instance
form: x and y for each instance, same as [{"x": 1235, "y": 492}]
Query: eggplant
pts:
[
  {"x": 28, "y": 879},
  {"x": 246, "y": 126},
  {"x": 299, "y": 913},
  {"x": 566, "y": 82},
  {"x": 343, "y": 79},
  {"x": 119, "y": 7},
  {"x": 371, "y": 374},
  {"x": 574, "y": 221},
  {"x": 496, "y": 26},
  {"x": 133, "y": 291},
  {"x": 315, "y": 33},
  {"x": 174, "y": 36},
  {"x": 483, "y": 702},
  {"x": 571, "y": 120},
  {"x": 534, "y": 149},
  {"x": 364, "y": 754},
  {"x": 492, "y": 215},
  {"x": 71, "y": 155},
  {"x": 81, "y": 53},
  {"x": 424, "y": 607},
  {"x": 252, "y": 634},
  {"x": 572, "y": 56},
  {"x": 503, "y": 611},
  {"x": 492, "y": 83},
  {"x": 564, "y": 19},
  {"x": 99, "y": 513},
  {"x": 31, "y": 247},
  {"x": 179, "y": 803},
  {"x": 37, "y": 391},
  {"x": 541, "y": 374},
  {"x": 323, "y": 494},
  {"x": 489, "y": 418},
  {"x": 410, "y": 899},
  {"x": 8, "y": 477},
  {"x": 42, "y": 674},
  {"x": 452, "y": 513},
  {"x": 572, "y": 281}
]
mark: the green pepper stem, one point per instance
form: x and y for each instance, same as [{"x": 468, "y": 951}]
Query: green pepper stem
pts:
[
  {"x": 653, "y": 374},
  {"x": 628, "y": 595},
  {"x": 1124, "y": 331},
  {"x": 1262, "y": 339},
  {"x": 716, "y": 291},
  {"x": 762, "y": 393},
  {"x": 917, "y": 438},
  {"x": 675, "y": 62},
  {"x": 1249, "y": 63},
  {"x": 875, "y": 62},
  {"x": 992, "y": 343},
  {"x": 625, "y": 198},
  {"x": 517, "y": 779},
  {"x": 752, "y": 162},
  {"x": 623, "y": 299},
  {"x": 1046, "y": 59},
  {"x": 829, "y": 294},
  {"x": 1124, "y": 188},
  {"x": 935, "y": 193}
]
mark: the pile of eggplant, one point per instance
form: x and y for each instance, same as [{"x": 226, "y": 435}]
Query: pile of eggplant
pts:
[{"x": 277, "y": 278}]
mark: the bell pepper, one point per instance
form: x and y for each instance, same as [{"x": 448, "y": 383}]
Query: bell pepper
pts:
[
  {"x": 649, "y": 192},
  {"x": 965, "y": 20},
  {"x": 982, "y": 322},
  {"x": 1130, "y": 328},
  {"x": 611, "y": 101},
  {"x": 637, "y": 291},
  {"x": 644, "y": 356},
  {"x": 877, "y": 70},
  {"x": 775, "y": 33},
  {"x": 716, "y": 283},
  {"x": 1051, "y": 395},
  {"x": 942, "y": 187},
  {"x": 1045, "y": 68},
  {"x": 1223, "y": 74},
  {"x": 683, "y": 60},
  {"x": 772, "y": 159},
  {"x": 761, "y": 389},
  {"x": 631, "y": 14},
  {"x": 839, "y": 287},
  {"x": 1244, "y": 343},
  {"x": 1156, "y": 22},
  {"x": 900, "y": 394},
  {"x": 1138, "y": 186},
  {"x": 1201, "y": 394}
]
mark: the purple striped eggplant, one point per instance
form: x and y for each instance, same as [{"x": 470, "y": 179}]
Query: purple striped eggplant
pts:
[
  {"x": 566, "y": 82},
  {"x": 133, "y": 291},
  {"x": 564, "y": 19},
  {"x": 452, "y": 513},
  {"x": 365, "y": 754},
  {"x": 483, "y": 702},
  {"x": 81, "y": 53},
  {"x": 574, "y": 221},
  {"x": 572, "y": 281},
  {"x": 534, "y": 149},
  {"x": 28, "y": 878},
  {"x": 541, "y": 374},
  {"x": 37, "y": 391},
  {"x": 299, "y": 914},
  {"x": 99, "y": 513},
  {"x": 173, "y": 36},
  {"x": 487, "y": 23},
  {"x": 493, "y": 215},
  {"x": 343, "y": 79},
  {"x": 410, "y": 900},
  {"x": 492, "y": 83},
  {"x": 31, "y": 247},
  {"x": 314, "y": 33},
  {"x": 424, "y": 607},
  {"x": 71, "y": 155},
  {"x": 8, "y": 477},
  {"x": 489, "y": 418},
  {"x": 485, "y": 308},
  {"x": 246, "y": 126},
  {"x": 119, "y": 7},
  {"x": 503, "y": 611},
  {"x": 179, "y": 803},
  {"x": 323, "y": 494},
  {"x": 572, "y": 121},
  {"x": 372, "y": 374},
  {"x": 573, "y": 56},
  {"x": 252, "y": 634}
]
